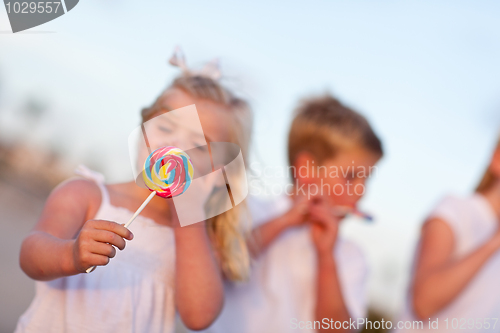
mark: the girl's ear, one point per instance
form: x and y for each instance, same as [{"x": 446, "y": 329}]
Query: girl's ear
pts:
[{"x": 495, "y": 164}]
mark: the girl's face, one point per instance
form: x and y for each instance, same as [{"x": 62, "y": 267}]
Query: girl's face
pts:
[
  {"x": 181, "y": 129},
  {"x": 213, "y": 116}
]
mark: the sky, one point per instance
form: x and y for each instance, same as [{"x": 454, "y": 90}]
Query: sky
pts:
[{"x": 425, "y": 74}]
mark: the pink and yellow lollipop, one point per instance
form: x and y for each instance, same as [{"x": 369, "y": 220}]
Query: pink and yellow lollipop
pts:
[{"x": 168, "y": 171}]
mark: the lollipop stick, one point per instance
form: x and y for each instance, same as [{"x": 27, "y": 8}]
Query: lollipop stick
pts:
[
  {"x": 344, "y": 210},
  {"x": 138, "y": 211}
]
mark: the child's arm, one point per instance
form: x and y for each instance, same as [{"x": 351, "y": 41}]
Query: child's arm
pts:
[
  {"x": 438, "y": 278},
  {"x": 329, "y": 300},
  {"x": 263, "y": 235},
  {"x": 199, "y": 293},
  {"x": 51, "y": 250}
]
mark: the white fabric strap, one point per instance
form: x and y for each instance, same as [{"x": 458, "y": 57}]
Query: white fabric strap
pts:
[{"x": 97, "y": 177}]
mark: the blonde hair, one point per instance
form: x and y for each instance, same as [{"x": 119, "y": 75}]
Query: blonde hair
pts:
[
  {"x": 488, "y": 178},
  {"x": 323, "y": 126},
  {"x": 228, "y": 230}
]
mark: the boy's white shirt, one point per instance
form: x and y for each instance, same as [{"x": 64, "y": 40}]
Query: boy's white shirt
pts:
[{"x": 281, "y": 292}]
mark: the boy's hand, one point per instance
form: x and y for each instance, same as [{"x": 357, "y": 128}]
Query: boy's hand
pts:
[
  {"x": 263, "y": 235},
  {"x": 94, "y": 244},
  {"x": 297, "y": 214},
  {"x": 324, "y": 226}
]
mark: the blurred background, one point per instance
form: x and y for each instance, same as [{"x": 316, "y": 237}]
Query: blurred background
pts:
[{"x": 425, "y": 73}]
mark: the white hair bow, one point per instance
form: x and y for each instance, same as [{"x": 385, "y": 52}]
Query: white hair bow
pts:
[{"x": 210, "y": 70}]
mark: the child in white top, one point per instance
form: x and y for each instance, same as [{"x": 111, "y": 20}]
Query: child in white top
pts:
[
  {"x": 455, "y": 278},
  {"x": 305, "y": 277},
  {"x": 164, "y": 267}
]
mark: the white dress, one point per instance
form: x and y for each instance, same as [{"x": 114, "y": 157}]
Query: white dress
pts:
[
  {"x": 473, "y": 222},
  {"x": 133, "y": 293},
  {"x": 281, "y": 291}
]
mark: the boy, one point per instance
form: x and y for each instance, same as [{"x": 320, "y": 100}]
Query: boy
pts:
[{"x": 304, "y": 276}]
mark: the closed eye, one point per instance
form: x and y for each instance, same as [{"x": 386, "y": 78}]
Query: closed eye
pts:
[{"x": 164, "y": 129}]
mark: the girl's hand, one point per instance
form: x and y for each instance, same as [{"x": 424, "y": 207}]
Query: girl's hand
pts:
[
  {"x": 94, "y": 244},
  {"x": 324, "y": 226},
  {"x": 202, "y": 187},
  {"x": 189, "y": 207}
]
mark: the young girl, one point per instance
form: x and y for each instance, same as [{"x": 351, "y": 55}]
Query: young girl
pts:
[
  {"x": 163, "y": 268},
  {"x": 455, "y": 281}
]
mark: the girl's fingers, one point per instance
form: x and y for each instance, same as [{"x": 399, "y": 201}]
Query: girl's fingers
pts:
[
  {"x": 103, "y": 249},
  {"x": 97, "y": 259},
  {"x": 114, "y": 227},
  {"x": 210, "y": 180},
  {"x": 105, "y": 236}
]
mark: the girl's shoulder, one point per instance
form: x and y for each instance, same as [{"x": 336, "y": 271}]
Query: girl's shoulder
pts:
[
  {"x": 448, "y": 206},
  {"x": 80, "y": 186},
  {"x": 78, "y": 191},
  {"x": 452, "y": 207},
  {"x": 463, "y": 213},
  {"x": 78, "y": 183},
  {"x": 444, "y": 216}
]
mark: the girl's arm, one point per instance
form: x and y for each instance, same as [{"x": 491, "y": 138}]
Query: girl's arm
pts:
[
  {"x": 199, "y": 293},
  {"x": 51, "y": 250},
  {"x": 438, "y": 278},
  {"x": 263, "y": 235}
]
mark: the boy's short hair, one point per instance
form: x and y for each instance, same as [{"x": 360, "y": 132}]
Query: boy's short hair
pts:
[{"x": 323, "y": 126}]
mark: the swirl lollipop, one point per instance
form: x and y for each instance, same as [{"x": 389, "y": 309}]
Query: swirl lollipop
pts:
[{"x": 168, "y": 172}]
